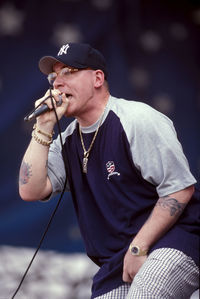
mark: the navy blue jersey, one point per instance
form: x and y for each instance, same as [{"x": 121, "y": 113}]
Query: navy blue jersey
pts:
[{"x": 135, "y": 159}]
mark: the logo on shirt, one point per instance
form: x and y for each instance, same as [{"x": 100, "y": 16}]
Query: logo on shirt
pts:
[
  {"x": 110, "y": 166},
  {"x": 63, "y": 50}
]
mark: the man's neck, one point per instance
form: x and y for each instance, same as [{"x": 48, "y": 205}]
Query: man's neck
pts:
[{"x": 94, "y": 113}]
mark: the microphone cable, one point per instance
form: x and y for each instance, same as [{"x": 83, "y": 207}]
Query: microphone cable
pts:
[{"x": 57, "y": 205}]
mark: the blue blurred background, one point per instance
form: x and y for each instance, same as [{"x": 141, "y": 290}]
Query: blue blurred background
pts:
[{"x": 152, "y": 50}]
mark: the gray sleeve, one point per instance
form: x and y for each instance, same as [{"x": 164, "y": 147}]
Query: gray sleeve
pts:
[
  {"x": 56, "y": 167},
  {"x": 156, "y": 151}
]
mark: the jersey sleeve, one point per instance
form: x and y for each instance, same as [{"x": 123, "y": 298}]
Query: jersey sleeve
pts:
[
  {"x": 56, "y": 167},
  {"x": 156, "y": 151}
]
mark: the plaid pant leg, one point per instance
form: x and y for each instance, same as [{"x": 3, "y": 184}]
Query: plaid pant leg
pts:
[
  {"x": 166, "y": 274},
  {"x": 118, "y": 293}
]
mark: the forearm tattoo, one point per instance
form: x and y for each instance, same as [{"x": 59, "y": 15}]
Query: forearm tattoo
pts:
[
  {"x": 25, "y": 173},
  {"x": 174, "y": 207}
]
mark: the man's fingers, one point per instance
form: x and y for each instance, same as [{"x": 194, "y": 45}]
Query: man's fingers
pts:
[
  {"x": 60, "y": 102},
  {"x": 126, "y": 277},
  {"x": 56, "y": 95}
]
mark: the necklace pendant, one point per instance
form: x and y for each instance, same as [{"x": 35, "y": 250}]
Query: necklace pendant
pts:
[{"x": 85, "y": 161}]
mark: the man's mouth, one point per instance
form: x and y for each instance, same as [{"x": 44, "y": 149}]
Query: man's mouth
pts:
[{"x": 68, "y": 95}]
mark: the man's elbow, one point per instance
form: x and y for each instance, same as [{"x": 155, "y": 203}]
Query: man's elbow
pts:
[
  {"x": 27, "y": 196},
  {"x": 31, "y": 194},
  {"x": 35, "y": 192}
]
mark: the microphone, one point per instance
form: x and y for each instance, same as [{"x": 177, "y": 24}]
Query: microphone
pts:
[{"x": 41, "y": 110}]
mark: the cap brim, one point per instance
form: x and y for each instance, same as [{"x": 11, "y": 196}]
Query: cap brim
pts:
[{"x": 46, "y": 64}]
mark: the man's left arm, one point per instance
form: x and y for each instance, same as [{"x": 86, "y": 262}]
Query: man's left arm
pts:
[{"x": 164, "y": 215}]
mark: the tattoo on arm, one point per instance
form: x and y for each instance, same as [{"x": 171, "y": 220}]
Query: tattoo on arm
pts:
[
  {"x": 25, "y": 173},
  {"x": 174, "y": 207}
]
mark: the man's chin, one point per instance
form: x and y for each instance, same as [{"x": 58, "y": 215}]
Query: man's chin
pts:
[{"x": 68, "y": 114}]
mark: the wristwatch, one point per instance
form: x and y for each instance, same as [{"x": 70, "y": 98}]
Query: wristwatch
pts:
[{"x": 136, "y": 250}]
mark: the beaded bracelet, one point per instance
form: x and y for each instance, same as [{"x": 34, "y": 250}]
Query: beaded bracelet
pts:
[
  {"x": 40, "y": 140},
  {"x": 42, "y": 132}
]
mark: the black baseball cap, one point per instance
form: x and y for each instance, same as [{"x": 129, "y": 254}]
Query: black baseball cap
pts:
[{"x": 76, "y": 55}]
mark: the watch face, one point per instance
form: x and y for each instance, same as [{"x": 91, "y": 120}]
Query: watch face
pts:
[{"x": 135, "y": 250}]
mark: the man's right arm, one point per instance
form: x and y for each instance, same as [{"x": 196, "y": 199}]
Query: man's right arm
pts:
[{"x": 34, "y": 183}]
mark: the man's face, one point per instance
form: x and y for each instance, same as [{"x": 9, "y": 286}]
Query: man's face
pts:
[{"x": 78, "y": 85}]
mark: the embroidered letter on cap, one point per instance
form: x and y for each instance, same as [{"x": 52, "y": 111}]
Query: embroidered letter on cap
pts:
[{"x": 63, "y": 49}]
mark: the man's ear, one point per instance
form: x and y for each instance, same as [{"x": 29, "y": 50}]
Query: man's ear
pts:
[{"x": 99, "y": 78}]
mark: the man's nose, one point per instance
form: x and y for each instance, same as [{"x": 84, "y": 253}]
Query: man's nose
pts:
[{"x": 58, "y": 82}]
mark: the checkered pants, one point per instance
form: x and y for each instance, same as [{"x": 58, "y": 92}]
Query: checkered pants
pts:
[{"x": 166, "y": 274}]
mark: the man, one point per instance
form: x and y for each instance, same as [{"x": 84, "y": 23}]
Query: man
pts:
[{"x": 129, "y": 179}]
